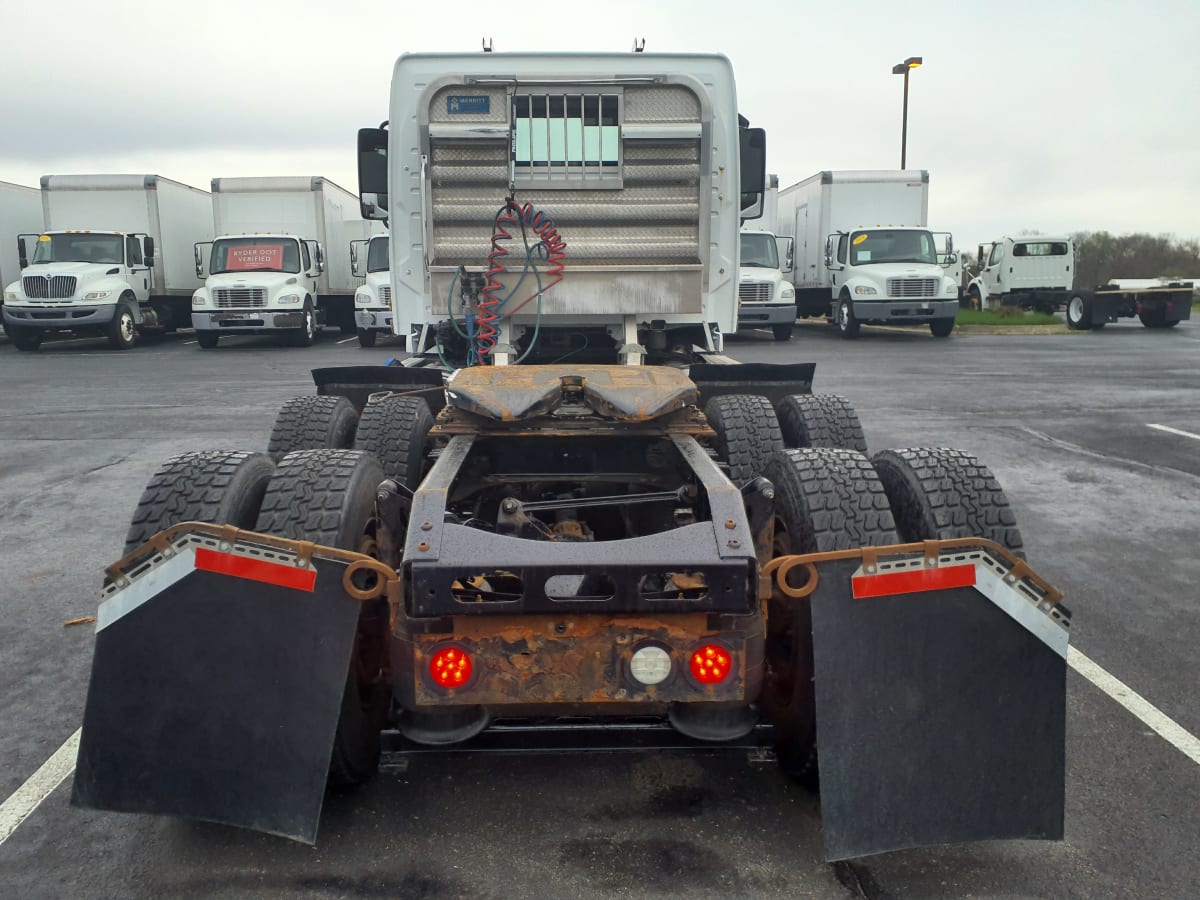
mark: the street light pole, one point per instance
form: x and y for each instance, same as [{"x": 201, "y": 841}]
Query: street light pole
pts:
[{"x": 903, "y": 69}]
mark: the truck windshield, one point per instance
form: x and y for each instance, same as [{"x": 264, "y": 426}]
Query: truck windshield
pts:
[
  {"x": 254, "y": 255},
  {"x": 886, "y": 246},
  {"x": 758, "y": 249},
  {"x": 92, "y": 248},
  {"x": 377, "y": 255}
]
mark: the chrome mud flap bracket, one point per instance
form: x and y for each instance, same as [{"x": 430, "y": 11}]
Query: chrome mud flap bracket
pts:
[
  {"x": 219, "y": 668},
  {"x": 940, "y": 683}
]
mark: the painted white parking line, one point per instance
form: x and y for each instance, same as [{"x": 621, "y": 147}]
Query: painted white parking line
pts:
[
  {"x": 1168, "y": 729},
  {"x": 41, "y": 784},
  {"x": 191, "y": 342},
  {"x": 348, "y": 340},
  {"x": 1169, "y": 430}
]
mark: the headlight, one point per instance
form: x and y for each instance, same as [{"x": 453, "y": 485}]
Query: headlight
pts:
[
  {"x": 864, "y": 290},
  {"x": 952, "y": 289},
  {"x": 199, "y": 300},
  {"x": 787, "y": 292},
  {"x": 96, "y": 295},
  {"x": 10, "y": 296},
  {"x": 289, "y": 298},
  {"x": 362, "y": 298}
]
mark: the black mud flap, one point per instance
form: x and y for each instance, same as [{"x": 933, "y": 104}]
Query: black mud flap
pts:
[
  {"x": 940, "y": 697},
  {"x": 216, "y": 683}
]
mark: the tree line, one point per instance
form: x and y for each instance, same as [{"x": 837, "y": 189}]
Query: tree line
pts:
[{"x": 1101, "y": 256}]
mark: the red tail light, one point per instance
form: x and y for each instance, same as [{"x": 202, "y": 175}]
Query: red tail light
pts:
[
  {"x": 710, "y": 663},
  {"x": 450, "y": 667}
]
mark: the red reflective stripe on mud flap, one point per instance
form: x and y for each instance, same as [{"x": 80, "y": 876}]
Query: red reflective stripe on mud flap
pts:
[
  {"x": 255, "y": 569},
  {"x": 912, "y": 581}
]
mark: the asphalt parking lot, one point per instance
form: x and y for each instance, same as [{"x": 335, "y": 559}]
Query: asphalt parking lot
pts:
[{"x": 1110, "y": 512}]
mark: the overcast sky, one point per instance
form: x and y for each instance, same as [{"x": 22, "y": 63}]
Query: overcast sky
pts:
[{"x": 1053, "y": 116}]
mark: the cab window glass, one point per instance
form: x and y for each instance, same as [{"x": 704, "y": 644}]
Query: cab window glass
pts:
[
  {"x": 307, "y": 261},
  {"x": 841, "y": 254},
  {"x": 133, "y": 251},
  {"x": 997, "y": 255}
]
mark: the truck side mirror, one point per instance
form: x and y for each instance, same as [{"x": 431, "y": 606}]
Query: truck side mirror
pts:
[
  {"x": 148, "y": 251},
  {"x": 951, "y": 259},
  {"x": 21, "y": 252},
  {"x": 320, "y": 257},
  {"x": 373, "y": 173},
  {"x": 752, "y": 171},
  {"x": 198, "y": 250},
  {"x": 355, "y": 261}
]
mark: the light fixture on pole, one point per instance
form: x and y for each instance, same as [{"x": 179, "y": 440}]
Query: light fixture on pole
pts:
[{"x": 903, "y": 69}]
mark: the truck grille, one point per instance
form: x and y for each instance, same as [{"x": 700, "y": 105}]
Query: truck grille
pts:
[
  {"x": 385, "y": 294},
  {"x": 57, "y": 287},
  {"x": 754, "y": 291},
  {"x": 912, "y": 287},
  {"x": 240, "y": 298}
]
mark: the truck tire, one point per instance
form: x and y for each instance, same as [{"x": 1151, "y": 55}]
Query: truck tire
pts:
[
  {"x": 747, "y": 433},
  {"x": 937, "y": 494},
  {"x": 1079, "y": 312},
  {"x": 313, "y": 423},
  {"x": 1157, "y": 318},
  {"x": 820, "y": 420},
  {"x": 825, "y": 499},
  {"x": 122, "y": 330},
  {"x": 367, "y": 337},
  {"x": 847, "y": 326},
  {"x": 207, "y": 339},
  {"x": 941, "y": 328},
  {"x": 783, "y": 331},
  {"x": 395, "y": 430},
  {"x": 971, "y": 300},
  {"x": 224, "y": 487},
  {"x": 28, "y": 339},
  {"x": 328, "y": 497},
  {"x": 307, "y": 335}
]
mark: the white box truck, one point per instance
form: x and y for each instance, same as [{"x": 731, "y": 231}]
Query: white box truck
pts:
[
  {"x": 114, "y": 257},
  {"x": 20, "y": 213},
  {"x": 863, "y": 251},
  {"x": 267, "y": 270},
  {"x": 766, "y": 298},
  {"x": 373, "y": 299}
]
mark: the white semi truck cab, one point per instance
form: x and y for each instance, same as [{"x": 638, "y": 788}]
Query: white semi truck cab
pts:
[
  {"x": 98, "y": 281},
  {"x": 255, "y": 284},
  {"x": 373, "y": 298},
  {"x": 1035, "y": 272},
  {"x": 765, "y": 298},
  {"x": 892, "y": 275}
]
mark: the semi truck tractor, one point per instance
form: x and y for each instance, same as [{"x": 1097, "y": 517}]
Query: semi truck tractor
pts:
[
  {"x": 864, "y": 254},
  {"x": 113, "y": 257},
  {"x": 373, "y": 298},
  {"x": 1037, "y": 272},
  {"x": 267, "y": 271},
  {"x": 566, "y": 521},
  {"x": 20, "y": 213}
]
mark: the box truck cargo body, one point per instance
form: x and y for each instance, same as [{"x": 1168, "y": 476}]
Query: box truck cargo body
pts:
[
  {"x": 113, "y": 256},
  {"x": 20, "y": 213},
  {"x": 281, "y": 258},
  {"x": 899, "y": 278}
]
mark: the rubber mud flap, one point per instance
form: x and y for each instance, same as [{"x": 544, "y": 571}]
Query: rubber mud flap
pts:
[
  {"x": 215, "y": 697},
  {"x": 940, "y": 719}
]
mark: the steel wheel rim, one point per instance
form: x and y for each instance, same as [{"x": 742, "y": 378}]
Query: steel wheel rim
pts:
[
  {"x": 1075, "y": 309},
  {"x": 126, "y": 326}
]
